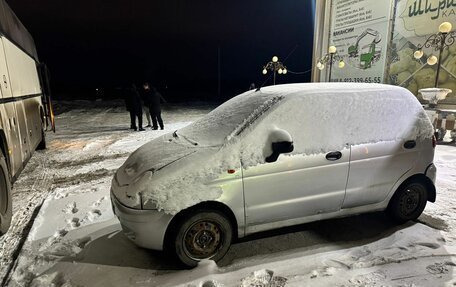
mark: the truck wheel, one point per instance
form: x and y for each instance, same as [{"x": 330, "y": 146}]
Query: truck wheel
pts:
[
  {"x": 205, "y": 234},
  {"x": 6, "y": 207},
  {"x": 408, "y": 202}
]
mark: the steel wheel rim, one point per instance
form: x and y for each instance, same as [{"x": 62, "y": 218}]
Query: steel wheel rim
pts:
[
  {"x": 410, "y": 200},
  {"x": 203, "y": 239}
]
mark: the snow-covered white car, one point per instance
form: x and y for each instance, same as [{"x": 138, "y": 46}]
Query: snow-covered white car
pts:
[{"x": 275, "y": 157}]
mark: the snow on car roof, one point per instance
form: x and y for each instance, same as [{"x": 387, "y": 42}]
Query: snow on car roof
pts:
[
  {"x": 224, "y": 122},
  {"x": 324, "y": 88}
]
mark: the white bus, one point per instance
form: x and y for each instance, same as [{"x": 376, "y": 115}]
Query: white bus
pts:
[{"x": 24, "y": 105}]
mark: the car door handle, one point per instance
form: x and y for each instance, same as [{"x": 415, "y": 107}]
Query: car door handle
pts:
[
  {"x": 335, "y": 155},
  {"x": 410, "y": 144}
]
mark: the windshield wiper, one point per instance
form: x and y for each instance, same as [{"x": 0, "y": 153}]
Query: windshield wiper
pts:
[
  {"x": 254, "y": 116},
  {"x": 189, "y": 140},
  {"x": 175, "y": 135}
]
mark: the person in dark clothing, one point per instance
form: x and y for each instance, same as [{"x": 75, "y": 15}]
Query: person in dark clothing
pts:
[
  {"x": 134, "y": 106},
  {"x": 145, "y": 95},
  {"x": 155, "y": 108}
]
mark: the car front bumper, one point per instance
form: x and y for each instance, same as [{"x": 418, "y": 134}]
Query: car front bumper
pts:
[{"x": 146, "y": 228}]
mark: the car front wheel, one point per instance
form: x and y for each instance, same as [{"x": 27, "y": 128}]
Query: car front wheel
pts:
[
  {"x": 204, "y": 234},
  {"x": 408, "y": 202}
]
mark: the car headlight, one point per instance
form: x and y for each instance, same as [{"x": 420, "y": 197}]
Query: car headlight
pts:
[
  {"x": 132, "y": 168},
  {"x": 131, "y": 194},
  {"x": 139, "y": 187},
  {"x": 147, "y": 203}
]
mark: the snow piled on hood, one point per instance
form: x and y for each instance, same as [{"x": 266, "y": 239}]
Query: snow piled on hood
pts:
[
  {"x": 153, "y": 156},
  {"x": 319, "y": 117},
  {"x": 188, "y": 182}
]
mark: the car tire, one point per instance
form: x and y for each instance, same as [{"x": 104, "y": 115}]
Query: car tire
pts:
[
  {"x": 203, "y": 234},
  {"x": 6, "y": 207},
  {"x": 408, "y": 202}
]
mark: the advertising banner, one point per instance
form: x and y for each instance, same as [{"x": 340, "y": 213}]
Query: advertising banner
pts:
[
  {"x": 359, "y": 29},
  {"x": 415, "y": 22}
]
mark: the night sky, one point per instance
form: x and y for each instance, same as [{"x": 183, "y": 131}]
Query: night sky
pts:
[{"x": 173, "y": 44}]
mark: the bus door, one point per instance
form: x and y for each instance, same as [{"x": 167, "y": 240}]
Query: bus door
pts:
[
  {"x": 9, "y": 122},
  {"x": 47, "y": 98}
]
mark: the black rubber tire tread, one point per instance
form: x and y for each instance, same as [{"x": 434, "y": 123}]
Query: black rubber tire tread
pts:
[
  {"x": 176, "y": 245},
  {"x": 42, "y": 144},
  {"x": 394, "y": 207},
  {"x": 5, "y": 189}
]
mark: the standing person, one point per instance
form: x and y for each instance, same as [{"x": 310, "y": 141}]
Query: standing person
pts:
[
  {"x": 146, "y": 95},
  {"x": 134, "y": 106},
  {"x": 129, "y": 104},
  {"x": 155, "y": 108}
]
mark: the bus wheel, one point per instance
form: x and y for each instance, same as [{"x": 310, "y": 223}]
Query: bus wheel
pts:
[
  {"x": 6, "y": 207},
  {"x": 42, "y": 144}
]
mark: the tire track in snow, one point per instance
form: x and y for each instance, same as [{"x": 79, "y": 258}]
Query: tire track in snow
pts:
[
  {"x": 38, "y": 180},
  {"x": 25, "y": 209},
  {"x": 43, "y": 174}
]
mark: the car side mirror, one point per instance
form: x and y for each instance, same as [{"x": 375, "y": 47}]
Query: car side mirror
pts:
[{"x": 279, "y": 141}]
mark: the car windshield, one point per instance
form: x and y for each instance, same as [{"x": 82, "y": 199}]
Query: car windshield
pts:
[{"x": 215, "y": 127}]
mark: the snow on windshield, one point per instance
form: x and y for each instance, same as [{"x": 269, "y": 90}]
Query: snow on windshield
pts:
[{"x": 216, "y": 126}]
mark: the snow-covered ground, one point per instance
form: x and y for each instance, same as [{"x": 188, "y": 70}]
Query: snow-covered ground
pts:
[{"x": 76, "y": 241}]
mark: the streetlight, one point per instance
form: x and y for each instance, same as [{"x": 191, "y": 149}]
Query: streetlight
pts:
[
  {"x": 444, "y": 39},
  {"x": 276, "y": 67},
  {"x": 330, "y": 58}
]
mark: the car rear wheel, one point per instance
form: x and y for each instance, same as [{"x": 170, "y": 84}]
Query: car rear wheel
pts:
[
  {"x": 408, "y": 202},
  {"x": 5, "y": 197},
  {"x": 205, "y": 234}
]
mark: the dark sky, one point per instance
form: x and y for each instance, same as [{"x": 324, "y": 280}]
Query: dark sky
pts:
[{"x": 171, "y": 43}]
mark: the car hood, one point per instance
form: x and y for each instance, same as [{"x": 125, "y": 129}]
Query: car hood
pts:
[{"x": 154, "y": 156}]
